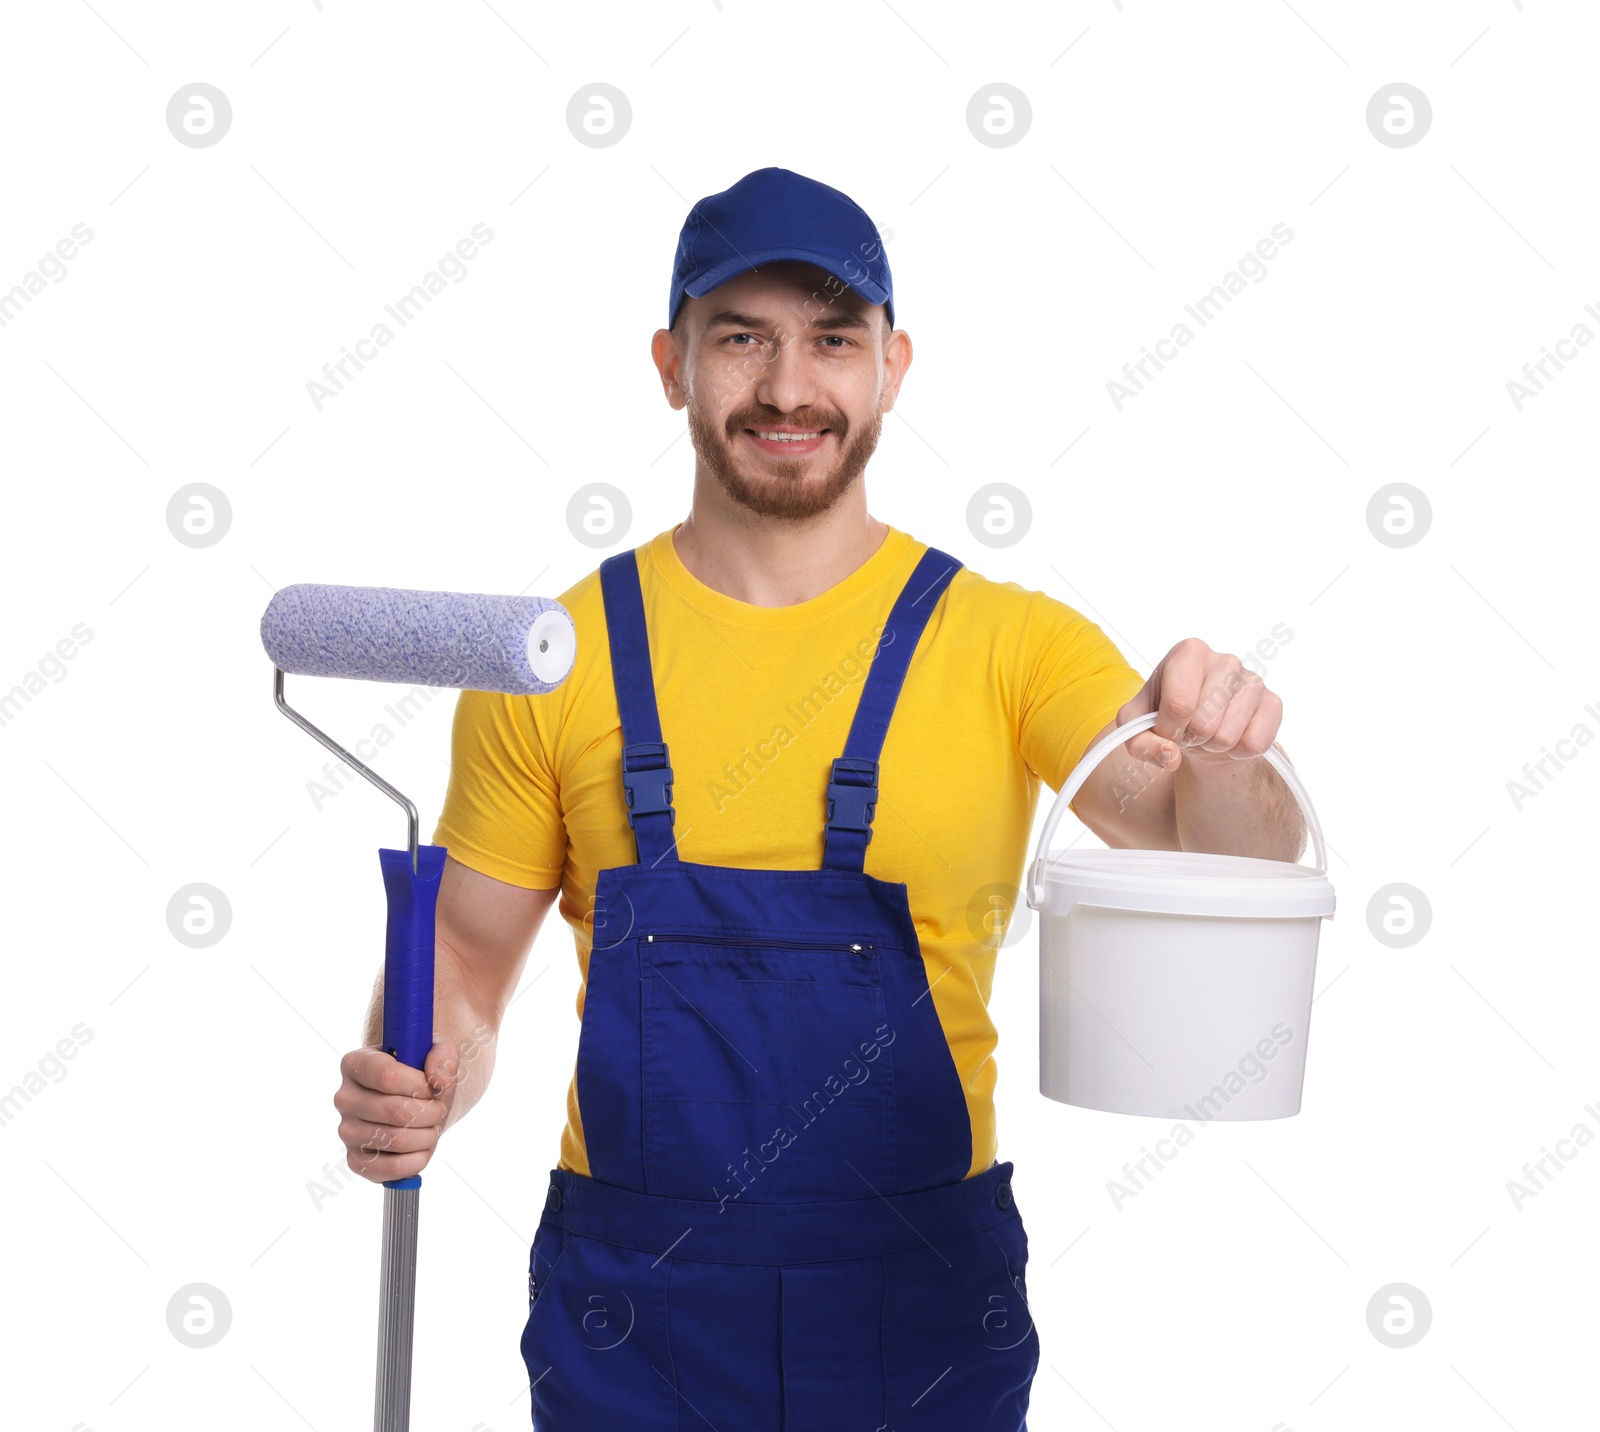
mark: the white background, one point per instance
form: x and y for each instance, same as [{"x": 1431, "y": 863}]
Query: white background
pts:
[{"x": 1229, "y": 496}]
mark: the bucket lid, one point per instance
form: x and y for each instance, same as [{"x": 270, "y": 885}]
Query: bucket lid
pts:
[{"x": 1183, "y": 882}]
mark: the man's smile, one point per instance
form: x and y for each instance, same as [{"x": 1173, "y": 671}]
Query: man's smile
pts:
[{"x": 787, "y": 441}]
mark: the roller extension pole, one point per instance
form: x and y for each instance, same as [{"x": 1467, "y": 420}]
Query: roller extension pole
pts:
[
  {"x": 397, "y": 1296},
  {"x": 413, "y": 896}
]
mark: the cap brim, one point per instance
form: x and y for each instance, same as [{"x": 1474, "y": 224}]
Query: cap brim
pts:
[{"x": 870, "y": 290}]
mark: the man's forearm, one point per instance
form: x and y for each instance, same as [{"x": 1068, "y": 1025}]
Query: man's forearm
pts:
[
  {"x": 1238, "y": 808},
  {"x": 1221, "y": 808}
]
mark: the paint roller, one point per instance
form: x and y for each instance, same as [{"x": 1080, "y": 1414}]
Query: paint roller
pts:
[{"x": 521, "y": 646}]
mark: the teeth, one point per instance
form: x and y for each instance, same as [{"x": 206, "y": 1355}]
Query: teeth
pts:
[{"x": 787, "y": 437}]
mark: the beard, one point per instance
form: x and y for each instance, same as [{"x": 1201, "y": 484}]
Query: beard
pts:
[{"x": 789, "y": 491}]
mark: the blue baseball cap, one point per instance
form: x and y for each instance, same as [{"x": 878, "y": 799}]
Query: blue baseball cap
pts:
[{"x": 774, "y": 214}]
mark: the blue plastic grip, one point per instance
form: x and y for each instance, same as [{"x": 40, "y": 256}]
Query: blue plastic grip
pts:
[{"x": 413, "y": 898}]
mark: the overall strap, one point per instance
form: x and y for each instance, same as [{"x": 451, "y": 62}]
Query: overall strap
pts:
[
  {"x": 853, "y": 782},
  {"x": 646, "y": 769}
]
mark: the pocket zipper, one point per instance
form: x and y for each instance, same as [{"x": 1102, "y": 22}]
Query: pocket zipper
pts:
[{"x": 758, "y": 941}]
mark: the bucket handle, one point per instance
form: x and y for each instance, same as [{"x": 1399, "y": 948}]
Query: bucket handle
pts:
[{"x": 1109, "y": 742}]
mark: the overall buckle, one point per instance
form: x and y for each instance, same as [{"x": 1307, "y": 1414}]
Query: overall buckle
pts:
[
  {"x": 647, "y": 780},
  {"x": 853, "y": 794}
]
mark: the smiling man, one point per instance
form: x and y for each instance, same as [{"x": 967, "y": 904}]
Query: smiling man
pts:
[{"x": 799, "y": 754}]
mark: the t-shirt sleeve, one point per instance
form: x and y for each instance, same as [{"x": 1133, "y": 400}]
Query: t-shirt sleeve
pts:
[
  {"x": 1075, "y": 681},
  {"x": 502, "y": 809}
]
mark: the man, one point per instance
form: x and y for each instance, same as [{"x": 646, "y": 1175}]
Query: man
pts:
[{"x": 797, "y": 749}]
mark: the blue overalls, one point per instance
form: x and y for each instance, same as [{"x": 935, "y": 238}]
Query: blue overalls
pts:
[{"x": 778, "y": 1234}]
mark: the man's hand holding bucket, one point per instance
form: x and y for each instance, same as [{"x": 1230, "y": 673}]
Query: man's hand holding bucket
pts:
[{"x": 1192, "y": 782}]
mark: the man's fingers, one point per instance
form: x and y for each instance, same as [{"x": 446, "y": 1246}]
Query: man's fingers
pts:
[
  {"x": 380, "y": 1071},
  {"x": 381, "y": 1167},
  {"x": 1262, "y": 729},
  {"x": 393, "y": 1109},
  {"x": 391, "y": 1114},
  {"x": 1204, "y": 701},
  {"x": 1143, "y": 746},
  {"x": 1223, "y": 683},
  {"x": 1153, "y": 750},
  {"x": 1182, "y": 676},
  {"x": 360, "y": 1136},
  {"x": 1172, "y": 692},
  {"x": 441, "y": 1067},
  {"x": 1236, "y": 716},
  {"x": 1146, "y": 747}
]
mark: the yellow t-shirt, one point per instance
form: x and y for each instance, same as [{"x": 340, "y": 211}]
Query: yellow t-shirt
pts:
[{"x": 1006, "y": 686}]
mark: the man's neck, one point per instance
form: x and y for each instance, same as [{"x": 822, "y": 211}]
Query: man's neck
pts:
[{"x": 772, "y": 563}]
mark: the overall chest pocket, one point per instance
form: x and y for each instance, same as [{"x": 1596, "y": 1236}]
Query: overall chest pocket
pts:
[{"x": 768, "y": 1073}]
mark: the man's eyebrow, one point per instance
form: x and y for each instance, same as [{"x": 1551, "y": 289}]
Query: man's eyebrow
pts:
[{"x": 828, "y": 322}]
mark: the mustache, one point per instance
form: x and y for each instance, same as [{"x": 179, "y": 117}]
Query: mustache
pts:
[{"x": 832, "y": 421}]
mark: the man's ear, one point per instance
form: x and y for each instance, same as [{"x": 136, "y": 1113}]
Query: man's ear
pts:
[
  {"x": 896, "y": 359},
  {"x": 669, "y": 355}
]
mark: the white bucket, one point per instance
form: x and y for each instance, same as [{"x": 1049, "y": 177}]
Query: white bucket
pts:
[{"x": 1172, "y": 983}]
